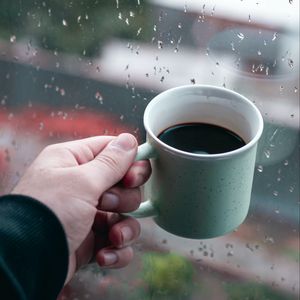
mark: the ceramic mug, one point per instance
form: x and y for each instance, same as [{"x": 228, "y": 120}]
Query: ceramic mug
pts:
[{"x": 199, "y": 195}]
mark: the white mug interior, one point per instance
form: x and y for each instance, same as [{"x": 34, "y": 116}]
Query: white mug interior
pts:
[{"x": 204, "y": 104}]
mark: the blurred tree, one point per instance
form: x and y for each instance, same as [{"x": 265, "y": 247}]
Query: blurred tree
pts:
[
  {"x": 72, "y": 26},
  {"x": 167, "y": 276}
]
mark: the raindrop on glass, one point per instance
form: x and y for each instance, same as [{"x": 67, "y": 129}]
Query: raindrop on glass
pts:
[
  {"x": 179, "y": 25},
  {"x": 159, "y": 44},
  {"x": 275, "y": 193},
  {"x": 291, "y": 189},
  {"x": 290, "y": 63},
  {"x": 62, "y": 92},
  {"x": 12, "y": 38},
  {"x": 232, "y": 46},
  {"x": 286, "y": 162},
  {"x": 249, "y": 19},
  {"x": 131, "y": 14},
  {"x": 295, "y": 89},
  {"x": 281, "y": 88},
  {"x": 274, "y": 36},
  {"x": 240, "y": 36},
  {"x": 64, "y": 22},
  {"x": 185, "y": 8},
  {"x": 259, "y": 53},
  {"x": 139, "y": 31},
  {"x": 267, "y": 153},
  {"x": 193, "y": 81},
  {"x": 260, "y": 168},
  {"x": 277, "y": 211}
]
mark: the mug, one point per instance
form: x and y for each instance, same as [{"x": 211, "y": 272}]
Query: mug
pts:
[{"x": 199, "y": 195}]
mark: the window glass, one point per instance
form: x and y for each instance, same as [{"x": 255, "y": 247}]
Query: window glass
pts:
[{"x": 73, "y": 69}]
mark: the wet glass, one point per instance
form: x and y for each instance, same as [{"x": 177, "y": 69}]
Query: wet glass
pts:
[{"x": 70, "y": 70}]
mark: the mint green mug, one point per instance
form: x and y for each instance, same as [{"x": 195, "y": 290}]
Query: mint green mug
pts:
[{"x": 199, "y": 195}]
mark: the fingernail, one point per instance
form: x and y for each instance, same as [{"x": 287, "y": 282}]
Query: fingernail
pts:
[
  {"x": 109, "y": 201},
  {"x": 127, "y": 234},
  {"x": 110, "y": 258},
  {"x": 124, "y": 141}
]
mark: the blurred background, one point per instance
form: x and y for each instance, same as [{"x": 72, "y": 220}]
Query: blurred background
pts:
[{"x": 73, "y": 69}]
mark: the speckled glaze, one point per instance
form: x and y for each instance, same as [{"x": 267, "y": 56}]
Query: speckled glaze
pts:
[{"x": 199, "y": 195}]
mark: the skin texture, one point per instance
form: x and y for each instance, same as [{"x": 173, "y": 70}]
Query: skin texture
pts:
[{"x": 87, "y": 183}]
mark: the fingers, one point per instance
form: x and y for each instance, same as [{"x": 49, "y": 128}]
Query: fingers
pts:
[
  {"x": 138, "y": 174},
  {"x": 118, "y": 199},
  {"x": 113, "y": 250},
  {"x": 121, "y": 231},
  {"x": 114, "y": 258},
  {"x": 112, "y": 163}
]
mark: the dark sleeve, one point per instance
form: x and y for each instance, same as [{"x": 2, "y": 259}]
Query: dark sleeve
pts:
[{"x": 33, "y": 250}]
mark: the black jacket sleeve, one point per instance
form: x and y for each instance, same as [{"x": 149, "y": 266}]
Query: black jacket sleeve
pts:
[{"x": 33, "y": 250}]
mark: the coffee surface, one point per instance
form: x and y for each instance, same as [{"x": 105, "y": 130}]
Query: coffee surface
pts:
[{"x": 201, "y": 138}]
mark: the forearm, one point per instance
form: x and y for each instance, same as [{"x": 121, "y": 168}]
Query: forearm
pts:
[{"x": 33, "y": 250}]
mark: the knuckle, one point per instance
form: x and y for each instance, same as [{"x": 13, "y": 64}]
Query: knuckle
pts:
[{"x": 109, "y": 161}]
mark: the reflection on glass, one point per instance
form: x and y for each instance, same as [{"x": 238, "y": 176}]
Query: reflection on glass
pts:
[{"x": 71, "y": 70}]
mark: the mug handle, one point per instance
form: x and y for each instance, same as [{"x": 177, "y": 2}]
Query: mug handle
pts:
[{"x": 146, "y": 209}]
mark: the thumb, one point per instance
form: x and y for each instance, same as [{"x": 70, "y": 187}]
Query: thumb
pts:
[{"x": 112, "y": 163}]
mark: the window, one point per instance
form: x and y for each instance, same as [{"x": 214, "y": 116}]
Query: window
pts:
[{"x": 71, "y": 69}]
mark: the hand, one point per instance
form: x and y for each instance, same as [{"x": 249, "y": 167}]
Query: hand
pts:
[{"x": 87, "y": 183}]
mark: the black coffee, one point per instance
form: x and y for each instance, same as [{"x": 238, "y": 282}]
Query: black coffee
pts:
[{"x": 201, "y": 138}]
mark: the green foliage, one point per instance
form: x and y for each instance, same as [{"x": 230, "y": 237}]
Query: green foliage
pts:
[
  {"x": 72, "y": 26},
  {"x": 252, "y": 291},
  {"x": 167, "y": 276}
]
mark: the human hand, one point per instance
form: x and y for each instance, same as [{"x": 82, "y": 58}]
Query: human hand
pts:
[{"x": 87, "y": 183}]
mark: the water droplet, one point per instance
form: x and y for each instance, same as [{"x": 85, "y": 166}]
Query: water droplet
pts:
[
  {"x": 185, "y": 8},
  {"x": 295, "y": 89},
  {"x": 269, "y": 239},
  {"x": 78, "y": 19},
  {"x": 99, "y": 97},
  {"x": 131, "y": 14},
  {"x": 159, "y": 44},
  {"x": 232, "y": 46},
  {"x": 62, "y": 92},
  {"x": 290, "y": 63},
  {"x": 240, "y": 36},
  {"x": 275, "y": 193},
  {"x": 259, "y": 52},
  {"x": 291, "y": 1},
  {"x": 267, "y": 70},
  {"x": 41, "y": 126},
  {"x": 98, "y": 69},
  {"x": 207, "y": 51},
  {"x": 12, "y": 38},
  {"x": 277, "y": 211},
  {"x": 120, "y": 16},
  {"x": 179, "y": 25},
  {"x": 286, "y": 162},
  {"x": 275, "y": 35},
  {"x": 217, "y": 64},
  {"x": 267, "y": 153},
  {"x": 230, "y": 253},
  {"x": 162, "y": 78},
  {"x": 139, "y": 31},
  {"x": 122, "y": 117},
  {"x": 260, "y": 168},
  {"x": 127, "y": 21},
  {"x": 281, "y": 88},
  {"x": 249, "y": 19},
  {"x": 291, "y": 188},
  {"x": 64, "y": 22},
  {"x": 193, "y": 81}
]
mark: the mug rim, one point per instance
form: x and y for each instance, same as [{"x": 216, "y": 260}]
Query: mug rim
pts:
[{"x": 203, "y": 156}]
